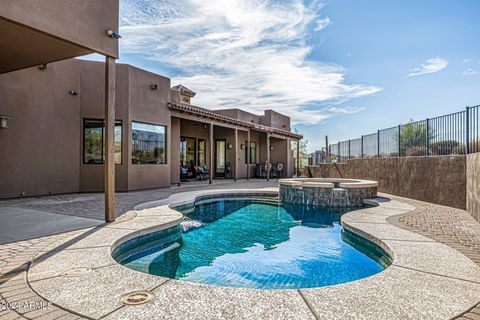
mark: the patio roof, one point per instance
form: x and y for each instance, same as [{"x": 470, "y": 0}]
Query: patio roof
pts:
[{"x": 210, "y": 115}]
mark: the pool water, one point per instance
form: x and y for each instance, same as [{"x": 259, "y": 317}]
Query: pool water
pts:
[{"x": 252, "y": 244}]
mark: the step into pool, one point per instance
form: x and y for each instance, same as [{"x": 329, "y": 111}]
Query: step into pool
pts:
[{"x": 255, "y": 243}]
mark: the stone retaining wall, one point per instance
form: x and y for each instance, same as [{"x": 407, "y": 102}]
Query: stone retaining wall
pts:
[{"x": 440, "y": 179}]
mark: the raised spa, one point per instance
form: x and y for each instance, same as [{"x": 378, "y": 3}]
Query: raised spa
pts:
[
  {"x": 253, "y": 243},
  {"x": 327, "y": 191}
]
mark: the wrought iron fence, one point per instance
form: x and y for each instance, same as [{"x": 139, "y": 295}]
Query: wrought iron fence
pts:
[{"x": 451, "y": 134}]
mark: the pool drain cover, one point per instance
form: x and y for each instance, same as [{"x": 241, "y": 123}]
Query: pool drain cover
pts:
[
  {"x": 136, "y": 298},
  {"x": 77, "y": 272}
]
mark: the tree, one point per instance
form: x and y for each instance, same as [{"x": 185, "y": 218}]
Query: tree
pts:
[
  {"x": 413, "y": 137},
  {"x": 303, "y": 150}
]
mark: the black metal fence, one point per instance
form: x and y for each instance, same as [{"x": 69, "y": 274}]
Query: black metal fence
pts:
[{"x": 452, "y": 134}]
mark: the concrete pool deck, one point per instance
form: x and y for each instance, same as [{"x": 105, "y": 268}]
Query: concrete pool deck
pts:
[{"x": 428, "y": 280}]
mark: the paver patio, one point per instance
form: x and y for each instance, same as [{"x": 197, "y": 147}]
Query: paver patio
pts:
[{"x": 452, "y": 227}]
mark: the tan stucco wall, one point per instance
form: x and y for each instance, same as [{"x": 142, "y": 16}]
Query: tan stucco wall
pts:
[
  {"x": 175, "y": 151},
  {"x": 83, "y": 22},
  {"x": 44, "y": 140},
  {"x": 40, "y": 150},
  {"x": 473, "y": 185},
  {"x": 440, "y": 179},
  {"x": 276, "y": 120},
  {"x": 150, "y": 106},
  {"x": 91, "y": 98}
]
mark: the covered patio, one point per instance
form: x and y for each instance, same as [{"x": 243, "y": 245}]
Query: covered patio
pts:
[{"x": 207, "y": 146}]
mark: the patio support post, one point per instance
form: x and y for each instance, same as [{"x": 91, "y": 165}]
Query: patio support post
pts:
[
  {"x": 427, "y": 139},
  {"x": 210, "y": 176},
  {"x": 235, "y": 156},
  {"x": 467, "y": 130},
  {"x": 298, "y": 158},
  {"x": 248, "y": 154},
  {"x": 268, "y": 157},
  {"x": 109, "y": 166}
]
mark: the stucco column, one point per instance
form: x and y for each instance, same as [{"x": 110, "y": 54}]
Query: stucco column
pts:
[
  {"x": 109, "y": 166},
  {"x": 298, "y": 158},
  {"x": 212, "y": 161},
  {"x": 248, "y": 154},
  {"x": 268, "y": 157},
  {"x": 235, "y": 155}
]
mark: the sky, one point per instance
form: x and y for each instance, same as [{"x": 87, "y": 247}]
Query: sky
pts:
[{"x": 340, "y": 68}]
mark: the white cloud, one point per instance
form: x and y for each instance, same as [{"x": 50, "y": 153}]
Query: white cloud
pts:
[
  {"x": 430, "y": 66},
  {"x": 470, "y": 72},
  {"x": 346, "y": 110},
  {"x": 322, "y": 24},
  {"x": 250, "y": 54}
]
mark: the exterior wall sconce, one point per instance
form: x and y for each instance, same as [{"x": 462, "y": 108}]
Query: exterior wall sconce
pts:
[
  {"x": 153, "y": 86},
  {"x": 230, "y": 146},
  {"x": 43, "y": 66},
  {"x": 4, "y": 122},
  {"x": 113, "y": 34},
  {"x": 242, "y": 146},
  {"x": 205, "y": 126},
  {"x": 73, "y": 92},
  {"x": 271, "y": 148}
]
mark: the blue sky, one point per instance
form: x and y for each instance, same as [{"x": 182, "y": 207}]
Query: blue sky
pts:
[{"x": 340, "y": 68}]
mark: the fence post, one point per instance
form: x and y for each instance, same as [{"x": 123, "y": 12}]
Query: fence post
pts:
[
  {"x": 339, "y": 157},
  {"x": 467, "y": 129},
  {"x": 427, "y": 141},
  {"x": 399, "y": 140},
  {"x": 378, "y": 143},
  {"x": 362, "y": 146},
  {"x": 349, "y": 153}
]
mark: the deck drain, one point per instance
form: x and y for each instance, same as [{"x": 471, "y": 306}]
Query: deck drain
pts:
[
  {"x": 77, "y": 272},
  {"x": 136, "y": 298}
]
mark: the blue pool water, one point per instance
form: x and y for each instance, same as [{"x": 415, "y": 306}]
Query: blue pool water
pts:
[{"x": 264, "y": 245}]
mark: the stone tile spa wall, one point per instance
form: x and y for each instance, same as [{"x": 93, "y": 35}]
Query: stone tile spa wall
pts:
[{"x": 324, "y": 196}]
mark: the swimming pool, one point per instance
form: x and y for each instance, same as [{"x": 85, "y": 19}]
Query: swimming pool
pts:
[{"x": 259, "y": 244}]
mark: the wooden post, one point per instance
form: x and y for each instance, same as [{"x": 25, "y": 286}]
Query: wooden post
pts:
[
  {"x": 248, "y": 154},
  {"x": 235, "y": 156},
  {"x": 212, "y": 161},
  {"x": 268, "y": 157},
  {"x": 109, "y": 166}
]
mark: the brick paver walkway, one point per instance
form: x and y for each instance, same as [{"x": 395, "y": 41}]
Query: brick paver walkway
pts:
[{"x": 450, "y": 226}]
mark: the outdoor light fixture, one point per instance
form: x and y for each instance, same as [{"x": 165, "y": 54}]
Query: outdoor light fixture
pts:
[
  {"x": 113, "y": 34},
  {"x": 271, "y": 148},
  {"x": 43, "y": 66},
  {"x": 230, "y": 146},
  {"x": 4, "y": 122},
  {"x": 242, "y": 146},
  {"x": 153, "y": 86},
  {"x": 73, "y": 92},
  {"x": 204, "y": 126}
]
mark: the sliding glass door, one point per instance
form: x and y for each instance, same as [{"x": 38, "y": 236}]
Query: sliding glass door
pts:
[{"x": 220, "y": 155}]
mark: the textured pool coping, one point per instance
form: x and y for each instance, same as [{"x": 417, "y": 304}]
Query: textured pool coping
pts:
[{"x": 427, "y": 280}]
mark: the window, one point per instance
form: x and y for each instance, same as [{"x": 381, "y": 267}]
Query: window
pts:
[
  {"x": 202, "y": 161},
  {"x": 253, "y": 152},
  {"x": 93, "y": 141},
  {"x": 187, "y": 151},
  {"x": 149, "y": 144}
]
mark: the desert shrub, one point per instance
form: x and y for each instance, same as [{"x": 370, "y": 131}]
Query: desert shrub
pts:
[
  {"x": 414, "y": 151},
  {"x": 445, "y": 147}
]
